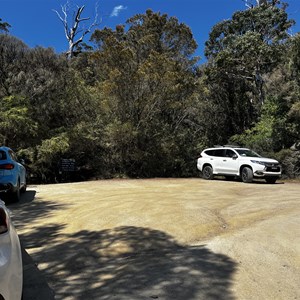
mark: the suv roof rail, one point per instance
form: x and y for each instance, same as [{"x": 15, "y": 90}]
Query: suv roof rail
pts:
[
  {"x": 232, "y": 146},
  {"x": 229, "y": 146}
]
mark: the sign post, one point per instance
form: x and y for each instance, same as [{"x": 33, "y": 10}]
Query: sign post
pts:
[{"x": 67, "y": 166}]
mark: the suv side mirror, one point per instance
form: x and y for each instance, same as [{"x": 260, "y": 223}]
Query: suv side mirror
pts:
[{"x": 234, "y": 156}]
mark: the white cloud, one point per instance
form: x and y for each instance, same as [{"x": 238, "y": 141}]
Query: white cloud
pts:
[{"x": 117, "y": 10}]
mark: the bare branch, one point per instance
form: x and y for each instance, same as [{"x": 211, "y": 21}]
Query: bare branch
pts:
[
  {"x": 247, "y": 4},
  {"x": 72, "y": 31},
  {"x": 59, "y": 16},
  {"x": 64, "y": 19}
]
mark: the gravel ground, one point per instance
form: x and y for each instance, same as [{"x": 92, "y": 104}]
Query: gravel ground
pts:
[{"x": 163, "y": 239}]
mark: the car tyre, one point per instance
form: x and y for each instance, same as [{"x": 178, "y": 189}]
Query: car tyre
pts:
[
  {"x": 271, "y": 179},
  {"x": 247, "y": 175},
  {"x": 207, "y": 173},
  {"x": 16, "y": 195},
  {"x": 23, "y": 189}
]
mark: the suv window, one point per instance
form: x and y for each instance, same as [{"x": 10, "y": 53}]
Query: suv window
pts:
[
  {"x": 219, "y": 152},
  {"x": 229, "y": 153},
  {"x": 247, "y": 152},
  {"x": 210, "y": 152},
  {"x": 216, "y": 152}
]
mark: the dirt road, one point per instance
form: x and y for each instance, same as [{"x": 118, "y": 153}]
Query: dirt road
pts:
[{"x": 164, "y": 239}]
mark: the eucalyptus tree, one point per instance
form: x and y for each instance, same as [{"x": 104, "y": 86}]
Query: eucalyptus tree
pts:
[
  {"x": 241, "y": 51},
  {"x": 14, "y": 114},
  {"x": 293, "y": 101},
  {"x": 12, "y": 51},
  {"x": 146, "y": 74},
  {"x": 32, "y": 87}
]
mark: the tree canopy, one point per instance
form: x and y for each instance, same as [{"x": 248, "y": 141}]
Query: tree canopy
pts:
[{"x": 139, "y": 104}]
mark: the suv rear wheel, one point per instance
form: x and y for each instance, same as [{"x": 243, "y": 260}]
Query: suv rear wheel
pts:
[
  {"x": 207, "y": 173},
  {"x": 247, "y": 175}
]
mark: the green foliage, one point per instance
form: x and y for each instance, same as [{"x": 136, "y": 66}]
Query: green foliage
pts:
[
  {"x": 4, "y": 26},
  {"x": 12, "y": 52},
  {"x": 138, "y": 105},
  {"x": 273, "y": 130},
  {"x": 290, "y": 161},
  {"x": 16, "y": 123},
  {"x": 52, "y": 148},
  {"x": 261, "y": 136},
  {"x": 295, "y": 57},
  {"x": 242, "y": 52},
  {"x": 48, "y": 155},
  {"x": 147, "y": 88}
]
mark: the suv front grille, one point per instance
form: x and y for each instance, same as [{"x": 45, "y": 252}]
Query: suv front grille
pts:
[{"x": 270, "y": 167}]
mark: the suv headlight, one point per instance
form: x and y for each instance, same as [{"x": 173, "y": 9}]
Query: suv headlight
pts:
[{"x": 258, "y": 162}]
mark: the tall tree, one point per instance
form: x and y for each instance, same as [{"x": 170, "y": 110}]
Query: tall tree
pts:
[
  {"x": 148, "y": 79},
  {"x": 241, "y": 51},
  {"x": 12, "y": 51}
]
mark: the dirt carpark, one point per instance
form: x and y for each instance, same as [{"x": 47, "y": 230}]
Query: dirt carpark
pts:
[{"x": 161, "y": 239}]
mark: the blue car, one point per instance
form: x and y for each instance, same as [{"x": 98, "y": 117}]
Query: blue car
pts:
[{"x": 12, "y": 175}]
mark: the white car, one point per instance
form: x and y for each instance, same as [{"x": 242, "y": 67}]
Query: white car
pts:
[
  {"x": 237, "y": 162},
  {"x": 11, "y": 270}
]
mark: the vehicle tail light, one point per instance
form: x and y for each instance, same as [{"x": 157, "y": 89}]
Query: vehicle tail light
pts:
[
  {"x": 6, "y": 167},
  {"x": 3, "y": 221}
]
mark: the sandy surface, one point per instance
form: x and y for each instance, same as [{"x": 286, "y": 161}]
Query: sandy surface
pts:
[{"x": 164, "y": 239}]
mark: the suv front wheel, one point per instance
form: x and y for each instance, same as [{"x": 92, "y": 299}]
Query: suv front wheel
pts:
[
  {"x": 207, "y": 173},
  {"x": 247, "y": 175}
]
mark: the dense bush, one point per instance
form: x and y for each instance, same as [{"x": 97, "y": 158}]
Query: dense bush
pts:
[{"x": 138, "y": 104}]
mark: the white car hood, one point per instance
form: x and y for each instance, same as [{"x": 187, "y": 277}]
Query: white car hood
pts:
[{"x": 263, "y": 159}]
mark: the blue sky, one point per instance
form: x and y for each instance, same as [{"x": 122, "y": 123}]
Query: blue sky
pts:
[{"x": 36, "y": 24}]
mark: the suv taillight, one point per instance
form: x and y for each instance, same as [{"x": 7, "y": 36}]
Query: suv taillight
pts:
[
  {"x": 3, "y": 221},
  {"x": 6, "y": 167}
]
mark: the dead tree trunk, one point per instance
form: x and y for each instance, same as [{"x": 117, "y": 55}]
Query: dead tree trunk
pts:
[{"x": 74, "y": 32}]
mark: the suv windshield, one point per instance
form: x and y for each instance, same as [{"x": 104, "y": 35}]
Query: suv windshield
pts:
[{"x": 247, "y": 152}]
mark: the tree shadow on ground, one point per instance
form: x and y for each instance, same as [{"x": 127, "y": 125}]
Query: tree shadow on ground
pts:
[
  {"x": 131, "y": 263},
  {"x": 27, "y": 211},
  {"x": 35, "y": 286},
  {"x": 30, "y": 210},
  {"x": 121, "y": 263}
]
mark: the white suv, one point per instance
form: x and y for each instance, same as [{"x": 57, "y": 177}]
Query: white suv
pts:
[{"x": 232, "y": 161}]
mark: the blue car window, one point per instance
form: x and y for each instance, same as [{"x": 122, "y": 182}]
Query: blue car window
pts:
[
  {"x": 13, "y": 155},
  {"x": 2, "y": 155}
]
